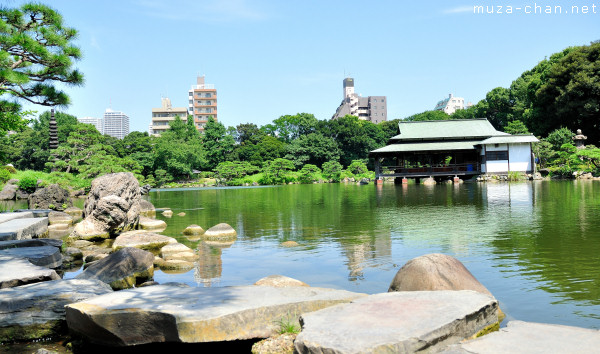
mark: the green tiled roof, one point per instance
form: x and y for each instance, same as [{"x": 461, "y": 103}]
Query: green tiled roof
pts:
[
  {"x": 446, "y": 129},
  {"x": 413, "y": 147}
]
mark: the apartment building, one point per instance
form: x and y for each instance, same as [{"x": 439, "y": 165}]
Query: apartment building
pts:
[
  {"x": 116, "y": 124},
  {"x": 161, "y": 117},
  {"x": 371, "y": 108},
  {"x": 202, "y": 103},
  {"x": 96, "y": 122},
  {"x": 450, "y": 105}
]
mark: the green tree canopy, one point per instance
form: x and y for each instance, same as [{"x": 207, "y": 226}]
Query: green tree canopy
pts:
[{"x": 36, "y": 51}]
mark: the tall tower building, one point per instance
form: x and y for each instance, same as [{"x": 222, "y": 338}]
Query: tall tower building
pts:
[
  {"x": 116, "y": 124},
  {"x": 371, "y": 108},
  {"x": 202, "y": 103}
]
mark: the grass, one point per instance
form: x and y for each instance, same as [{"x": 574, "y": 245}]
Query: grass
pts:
[{"x": 288, "y": 324}]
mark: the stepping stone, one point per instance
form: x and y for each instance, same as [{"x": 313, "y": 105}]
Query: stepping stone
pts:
[
  {"x": 37, "y": 310},
  {"x": 23, "y": 228},
  {"x": 37, "y": 213},
  {"x": 279, "y": 281},
  {"x": 193, "y": 230},
  {"x": 405, "y": 322},
  {"x": 193, "y": 315},
  {"x": 43, "y": 256},
  {"x": 4, "y": 217},
  {"x": 152, "y": 224},
  {"x": 36, "y": 242},
  {"x": 143, "y": 240},
  {"x": 528, "y": 337},
  {"x": 19, "y": 271},
  {"x": 178, "y": 251},
  {"x": 122, "y": 269},
  {"x": 220, "y": 232}
]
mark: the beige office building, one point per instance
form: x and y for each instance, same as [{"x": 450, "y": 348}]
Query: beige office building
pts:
[
  {"x": 161, "y": 117},
  {"x": 202, "y": 103}
]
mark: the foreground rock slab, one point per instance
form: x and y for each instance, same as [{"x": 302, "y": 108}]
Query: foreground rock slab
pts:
[
  {"x": 122, "y": 269},
  {"x": 164, "y": 313},
  {"x": 43, "y": 256},
  {"x": 37, "y": 310},
  {"x": 23, "y": 228},
  {"x": 19, "y": 271},
  {"x": 10, "y": 216},
  {"x": 527, "y": 337},
  {"x": 398, "y": 322}
]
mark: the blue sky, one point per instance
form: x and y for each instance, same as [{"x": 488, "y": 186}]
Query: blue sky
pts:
[{"x": 271, "y": 58}]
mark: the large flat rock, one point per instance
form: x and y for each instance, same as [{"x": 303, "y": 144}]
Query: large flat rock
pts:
[
  {"x": 37, "y": 242},
  {"x": 4, "y": 217},
  {"x": 528, "y": 337},
  {"x": 37, "y": 310},
  {"x": 19, "y": 271},
  {"x": 164, "y": 313},
  {"x": 43, "y": 256},
  {"x": 143, "y": 240},
  {"x": 23, "y": 228},
  {"x": 397, "y": 322}
]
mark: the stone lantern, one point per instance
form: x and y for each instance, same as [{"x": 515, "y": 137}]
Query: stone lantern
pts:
[{"x": 579, "y": 138}]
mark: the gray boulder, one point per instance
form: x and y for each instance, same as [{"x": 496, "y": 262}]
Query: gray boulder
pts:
[
  {"x": 147, "y": 208},
  {"x": 8, "y": 192},
  {"x": 51, "y": 197},
  {"x": 163, "y": 313},
  {"x": 112, "y": 207},
  {"x": 19, "y": 271},
  {"x": 38, "y": 310},
  {"x": 399, "y": 322},
  {"x": 21, "y": 194},
  {"x": 122, "y": 269},
  {"x": 435, "y": 272}
]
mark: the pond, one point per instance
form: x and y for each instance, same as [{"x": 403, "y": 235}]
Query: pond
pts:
[{"x": 534, "y": 245}]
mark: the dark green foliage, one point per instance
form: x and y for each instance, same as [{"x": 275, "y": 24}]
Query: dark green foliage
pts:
[
  {"x": 332, "y": 170},
  {"x": 36, "y": 52},
  {"x": 277, "y": 172},
  {"x": 313, "y": 148},
  {"x": 309, "y": 174},
  {"x": 218, "y": 145},
  {"x": 428, "y": 115},
  {"x": 559, "y": 137},
  {"x": 28, "y": 184},
  {"x": 516, "y": 127},
  {"x": 229, "y": 170},
  {"x": 4, "y": 175},
  {"x": 357, "y": 169}
]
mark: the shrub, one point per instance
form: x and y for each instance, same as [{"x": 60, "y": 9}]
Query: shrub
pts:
[
  {"x": 357, "y": 169},
  {"x": 309, "y": 173},
  {"x": 4, "y": 175},
  {"x": 332, "y": 170},
  {"x": 28, "y": 184},
  {"x": 10, "y": 168}
]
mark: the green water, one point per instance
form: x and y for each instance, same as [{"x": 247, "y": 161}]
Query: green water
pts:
[{"x": 535, "y": 246}]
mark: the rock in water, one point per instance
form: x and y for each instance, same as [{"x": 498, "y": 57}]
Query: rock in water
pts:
[
  {"x": 279, "y": 281},
  {"x": 8, "y": 192},
  {"x": 112, "y": 206},
  {"x": 122, "y": 269},
  {"x": 163, "y": 313},
  {"x": 220, "y": 231},
  {"x": 19, "y": 271},
  {"x": 142, "y": 239},
  {"x": 435, "y": 272},
  {"x": 51, "y": 197},
  {"x": 193, "y": 230},
  {"x": 38, "y": 310},
  {"x": 147, "y": 209}
]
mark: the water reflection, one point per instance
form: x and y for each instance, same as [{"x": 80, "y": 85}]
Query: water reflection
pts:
[{"x": 534, "y": 245}]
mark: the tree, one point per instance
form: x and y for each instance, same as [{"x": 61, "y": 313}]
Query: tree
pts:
[
  {"x": 218, "y": 144},
  {"x": 428, "y": 115},
  {"x": 332, "y": 170},
  {"x": 313, "y": 148},
  {"x": 516, "y": 127},
  {"x": 309, "y": 173},
  {"x": 276, "y": 171},
  {"x": 35, "y": 53}
]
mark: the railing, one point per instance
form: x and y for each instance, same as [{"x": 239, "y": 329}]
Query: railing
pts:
[{"x": 462, "y": 169}]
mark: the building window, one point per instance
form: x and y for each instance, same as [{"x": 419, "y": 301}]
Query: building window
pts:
[
  {"x": 496, "y": 155},
  {"x": 374, "y": 100}
]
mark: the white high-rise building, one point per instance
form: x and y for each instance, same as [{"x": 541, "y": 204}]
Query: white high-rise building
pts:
[
  {"x": 451, "y": 104},
  {"x": 96, "y": 122},
  {"x": 116, "y": 124},
  {"x": 371, "y": 108}
]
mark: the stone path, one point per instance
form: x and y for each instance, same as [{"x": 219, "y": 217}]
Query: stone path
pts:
[
  {"x": 397, "y": 322},
  {"x": 18, "y": 271},
  {"x": 23, "y": 228},
  {"x": 43, "y": 256},
  {"x": 528, "y": 337},
  {"x": 163, "y": 313}
]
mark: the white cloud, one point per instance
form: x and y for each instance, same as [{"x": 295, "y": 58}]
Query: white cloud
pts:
[
  {"x": 459, "y": 9},
  {"x": 204, "y": 10}
]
